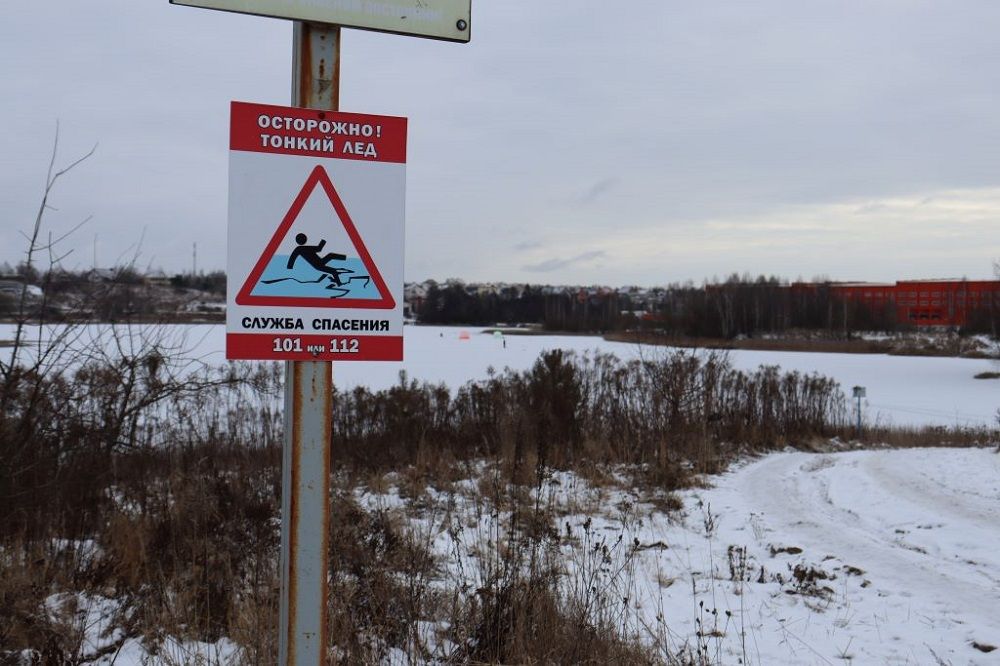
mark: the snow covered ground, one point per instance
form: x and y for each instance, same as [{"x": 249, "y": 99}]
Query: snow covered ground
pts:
[
  {"x": 865, "y": 557},
  {"x": 902, "y": 390},
  {"x": 908, "y": 542},
  {"x": 798, "y": 559},
  {"x": 92, "y": 623}
]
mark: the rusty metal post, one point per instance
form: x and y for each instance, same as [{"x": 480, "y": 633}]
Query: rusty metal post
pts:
[{"x": 305, "y": 482}]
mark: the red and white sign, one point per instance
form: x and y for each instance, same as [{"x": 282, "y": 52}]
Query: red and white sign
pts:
[{"x": 316, "y": 215}]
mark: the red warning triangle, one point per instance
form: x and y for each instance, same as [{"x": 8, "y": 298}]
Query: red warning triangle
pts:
[{"x": 329, "y": 290}]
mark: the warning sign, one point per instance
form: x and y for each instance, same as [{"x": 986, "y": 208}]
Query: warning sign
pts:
[
  {"x": 316, "y": 212},
  {"x": 294, "y": 270}
]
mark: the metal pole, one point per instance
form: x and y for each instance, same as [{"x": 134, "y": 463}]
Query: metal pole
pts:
[
  {"x": 859, "y": 415},
  {"x": 305, "y": 474}
]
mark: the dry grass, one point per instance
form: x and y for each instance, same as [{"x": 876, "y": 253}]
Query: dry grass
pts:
[
  {"x": 928, "y": 436},
  {"x": 192, "y": 556}
]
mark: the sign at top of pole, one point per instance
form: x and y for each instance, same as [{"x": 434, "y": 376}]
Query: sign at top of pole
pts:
[
  {"x": 449, "y": 20},
  {"x": 316, "y": 214}
]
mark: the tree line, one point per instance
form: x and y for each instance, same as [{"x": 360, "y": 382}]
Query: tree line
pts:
[{"x": 739, "y": 306}]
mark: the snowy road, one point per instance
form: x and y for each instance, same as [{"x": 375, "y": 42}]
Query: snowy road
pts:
[{"x": 910, "y": 540}]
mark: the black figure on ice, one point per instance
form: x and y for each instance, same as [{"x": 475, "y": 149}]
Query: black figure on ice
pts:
[{"x": 310, "y": 253}]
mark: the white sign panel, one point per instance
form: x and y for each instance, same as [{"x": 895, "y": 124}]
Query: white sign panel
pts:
[
  {"x": 316, "y": 215},
  {"x": 440, "y": 19}
]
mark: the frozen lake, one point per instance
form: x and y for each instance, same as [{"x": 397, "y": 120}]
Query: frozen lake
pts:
[{"x": 902, "y": 390}]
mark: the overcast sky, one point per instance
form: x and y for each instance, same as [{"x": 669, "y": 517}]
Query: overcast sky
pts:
[{"x": 573, "y": 141}]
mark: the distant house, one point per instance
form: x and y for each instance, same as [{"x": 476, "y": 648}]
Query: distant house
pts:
[
  {"x": 414, "y": 295},
  {"x": 12, "y": 285},
  {"x": 415, "y": 291},
  {"x": 157, "y": 278},
  {"x": 205, "y": 307},
  {"x": 11, "y": 289}
]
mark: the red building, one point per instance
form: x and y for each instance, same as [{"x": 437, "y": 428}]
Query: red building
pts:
[{"x": 925, "y": 302}]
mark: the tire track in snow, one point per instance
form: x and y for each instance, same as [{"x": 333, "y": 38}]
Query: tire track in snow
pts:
[
  {"x": 794, "y": 496},
  {"x": 927, "y": 490},
  {"x": 952, "y": 504}
]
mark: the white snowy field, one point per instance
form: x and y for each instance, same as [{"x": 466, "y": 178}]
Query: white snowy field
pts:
[
  {"x": 902, "y": 390},
  {"x": 909, "y": 540},
  {"x": 864, "y": 557}
]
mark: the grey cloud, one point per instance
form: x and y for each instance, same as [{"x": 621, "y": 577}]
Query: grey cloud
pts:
[
  {"x": 555, "y": 264},
  {"x": 597, "y": 190},
  {"x": 527, "y": 245}
]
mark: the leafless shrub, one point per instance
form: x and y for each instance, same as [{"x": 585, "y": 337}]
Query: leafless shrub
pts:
[
  {"x": 380, "y": 589},
  {"x": 662, "y": 413},
  {"x": 543, "y": 595}
]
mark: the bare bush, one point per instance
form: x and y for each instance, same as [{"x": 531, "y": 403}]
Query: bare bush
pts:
[{"x": 662, "y": 412}]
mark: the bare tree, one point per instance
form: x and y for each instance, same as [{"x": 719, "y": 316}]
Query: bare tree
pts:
[
  {"x": 37, "y": 243},
  {"x": 76, "y": 392}
]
